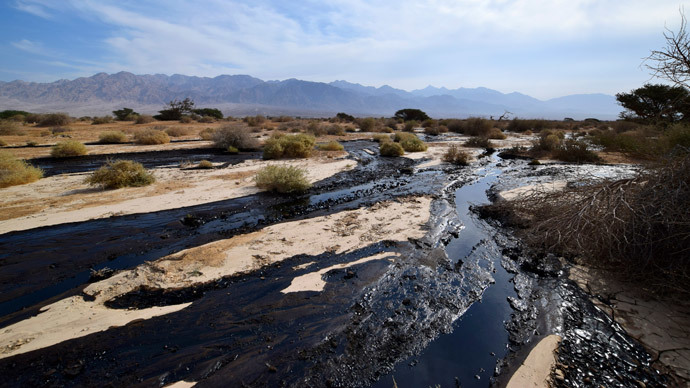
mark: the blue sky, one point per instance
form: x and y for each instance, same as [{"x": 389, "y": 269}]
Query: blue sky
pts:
[{"x": 544, "y": 48}]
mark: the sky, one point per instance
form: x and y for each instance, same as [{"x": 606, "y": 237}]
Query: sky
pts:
[{"x": 543, "y": 48}]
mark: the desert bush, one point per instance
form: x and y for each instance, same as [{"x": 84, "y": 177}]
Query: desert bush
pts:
[
  {"x": 389, "y": 148},
  {"x": 125, "y": 114},
  {"x": 11, "y": 128},
  {"x": 207, "y": 133},
  {"x": 478, "y": 142},
  {"x": 102, "y": 120},
  {"x": 144, "y": 119},
  {"x": 206, "y": 119},
  {"x": 31, "y": 143},
  {"x": 205, "y": 165},
  {"x": 33, "y": 118},
  {"x": 186, "y": 119},
  {"x": 151, "y": 137},
  {"x": 410, "y": 126},
  {"x": 232, "y": 150},
  {"x": 575, "y": 151},
  {"x": 177, "y": 131},
  {"x": 68, "y": 148},
  {"x": 15, "y": 171},
  {"x": 413, "y": 145},
  {"x": 209, "y": 112},
  {"x": 639, "y": 227},
  {"x": 59, "y": 130},
  {"x": 366, "y": 124},
  {"x": 112, "y": 137},
  {"x": 455, "y": 125},
  {"x": 477, "y": 126},
  {"x": 234, "y": 135},
  {"x": 455, "y": 155},
  {"x": 335, "y": 130},
  {"x": 2, "y": 143},
  {"x": 282, "y": 179},
  {"x": 331, "y": 146},
  {"x": 433, "y": 131},
  {"x": 254, "y": 121},
  {"x": 53, "y": 120},
  {"x": 522, "y": 125},
  {"x": 496, "y": 133},
  {"x": 625, "y": 126},
  {"x": 289, "y": 146},
  {"x": 15, "y": 115},
  {"x": 316, "y": 129},
  {"x": 120, "y": 173},
  {"x": 380, "y": 138},
  {"x": 676, "y": 136}
]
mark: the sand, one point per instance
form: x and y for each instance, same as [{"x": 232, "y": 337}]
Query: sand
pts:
[
  {"x": 66, "y": 198},
  {"x": 536, "y": 369}
]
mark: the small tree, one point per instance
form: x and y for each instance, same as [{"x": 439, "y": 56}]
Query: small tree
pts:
[
  {"x": 673, "y": 61},
  {"x": 411, "y": 114},
  {"x": 210, "y": 112},
  {"x": 175, "y": 109},
  {"x": 656, "y": 103},
  {"x": 125, "y": 114}
]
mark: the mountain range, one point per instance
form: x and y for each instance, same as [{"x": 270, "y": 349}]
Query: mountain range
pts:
[{"x": 245, "y": 95}]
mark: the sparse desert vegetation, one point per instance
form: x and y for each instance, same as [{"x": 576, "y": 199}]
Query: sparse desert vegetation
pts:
[
  {"x": 389, "y": 148},
  {"x": 15, "y": 171},
  {"x": 455, "y": 155},
  {"x": 112, "y": 137},
  {"x": 151, "y": 136},
  {"x": 236, "y": 136},
  {"x": 68, "y": 148},
  {"x": 282, "y": 179},
  {"x": 120, "y": 173},
  {"x": 289, "y": 146}
]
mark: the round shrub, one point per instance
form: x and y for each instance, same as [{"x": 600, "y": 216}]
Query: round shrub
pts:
[
  {"x": 233, "y": 150},
  {"x": 205, "y": 165},
  {"x": 456, "y": 156},
  {"x": 549, "y": 142},
  {"x": 289, "y": 146},
  {"x": 234, "y": 135},
  {"x": 282, "y": 179},
  {"x": 53, "y": 120},
  {"x": 102, "y": 120},
  {"x": 68, "y": 148},
  {"x": 112, "y": 137},
  {"x": 380, "y": 138},
  {"x": 177, "y": 131},
  {"x": 151, "y": 136},
  {"x": 11, "y": 128},
  {"x": 144, "y": 119},
  {"x": 120, "y": 173},
  {"x": 389, "y": 148},
  {"x": 15, "y": 171},
  {"x": 413, "y": 145},
  {"x": 207, "y": 133}
]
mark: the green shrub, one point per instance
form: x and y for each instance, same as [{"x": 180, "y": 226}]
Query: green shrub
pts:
[
  {"x": 15, "y": 171},
  {"x": 389, "y": 148},
  {"x": 125, "y": 114},
  {"x": 400, "y": 136},
  {"x": 234, "y": 135},
  {"x": 177, "y": 131},
  {"x": 283, "y": 179},
  {"x": 54, "y": 120},
  {"x": 549, "y": 142},
  {"x": 120, "y": 173},
  {"x": 456, "y": 156},
  {"x": 477, "y": 126},
  {"x": 677, "y": 136},
  {"x": 366, "y": 124},
  {"x": 68, "y": 148},
  {"x": 151, "y": 136},
  {"x": 112, "y": 137},
  {"x": 478, "y": 142},
  {"x": 410, "y": 125},
  {"x": 233, "y": 150},
  {"x": 102, "y": 120},
  {"x": 331, "y": 146},
  {"x": 205, "y": 164},
  {"x": 574, "y": 151},
  {"x": 211, "y": 113},
  {"x": 380, "y": 138},
  {"x": 335, "y": 130},
  {"x": 144, "y": 119},
  {"x": 13, "y": 115},
  {"x": 11, "y": 128},
  {"x": 413, "y": 145},
  {"x": 289, "y": 146}
]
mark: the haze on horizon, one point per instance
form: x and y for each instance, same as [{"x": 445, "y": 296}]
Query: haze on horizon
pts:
[{"x": 541, "y": 48}]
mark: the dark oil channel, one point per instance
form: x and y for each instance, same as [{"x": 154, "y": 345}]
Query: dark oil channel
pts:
[{"x": 468, "y": 355}]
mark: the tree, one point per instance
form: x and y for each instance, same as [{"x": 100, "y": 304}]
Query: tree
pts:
[
  {"x": 176, "y": 109},
  {"x": 411, "y": 114},
  {"x": 673, "y": 61},
  {"x": 656, "y": 104},
  {"x": 211, "y": 112},
  {"x": 125, "y": 114}
]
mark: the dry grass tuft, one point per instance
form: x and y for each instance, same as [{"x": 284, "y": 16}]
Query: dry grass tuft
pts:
[{"x": 15, "y": 171}]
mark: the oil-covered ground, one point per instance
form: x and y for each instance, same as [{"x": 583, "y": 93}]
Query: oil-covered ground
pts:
[{"x": 380, "y": 273}]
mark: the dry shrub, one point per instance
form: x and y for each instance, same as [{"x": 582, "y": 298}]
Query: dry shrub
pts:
[
  {"x": 150, "y": 137},
  {"x": 68, "y": 148},
  {"x": 254, "y": 121},
  {"x": 206, "y": 119},
  {"x": 574, "y": 151},
  {"x": 335, "y": 130},
  {"x": 289, "y": 146},
  {"x": 410, "y": 142},
  {"x": 15, "y": 171},
  {"x": 186, "y": 119},
  {"x": 102, "y": 120},
  {"x": 331, "y": 146},
  {"x": 389, "y": 148},
  {"x": 236, "y": 136},
  {"x": 496, "y": 133},
  {"x": 11, "y": 128},
  {"x": 177, "y": 131},
  {"x": 410, "y": 125},
  {"x": 366, "y": 124},
  {"x": 522, "y": 125},
  {"x": 144, "y": 119},
  {"x": 207, "y": 133},
  {"x": 53, "y": 120},
  {"x": 455, "y": 155},
  {"x": 120, "y": 173},
  {"x": 59, "y": 130},
  {"x": 283, "y": 179},
  {"x": 381, "y": 138},
  {"x": 478, "y": 142},
  {"x": 112, "y": 137},
  {"x": 205, "y": 165},
  {"x": 639, "y": 226},
  {"x": 2, "y": 143}
]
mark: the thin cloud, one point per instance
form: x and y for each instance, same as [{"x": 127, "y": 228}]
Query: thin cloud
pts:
[{"x": 30, "y": 46}]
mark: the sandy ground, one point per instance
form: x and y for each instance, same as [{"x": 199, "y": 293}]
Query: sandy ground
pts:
[
  {"x": 532, "y": 189},
  {"x": 66, "y": 198},
  {"x": 74, "y": 317},
  {"x": 535, "y": 371}
]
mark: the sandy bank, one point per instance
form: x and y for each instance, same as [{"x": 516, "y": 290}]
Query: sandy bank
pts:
[
  {"x": 66, "y": 198},
  {"x": 536, "y": 369}
]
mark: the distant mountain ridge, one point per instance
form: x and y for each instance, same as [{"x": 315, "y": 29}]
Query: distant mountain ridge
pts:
[{"x": 243, "y": 94}]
